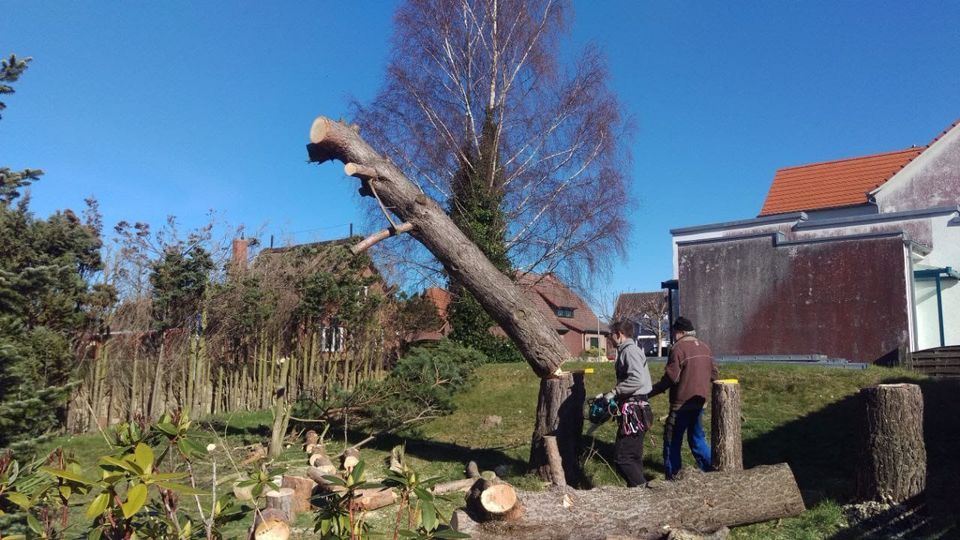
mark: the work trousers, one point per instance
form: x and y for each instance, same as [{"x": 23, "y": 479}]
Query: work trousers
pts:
[
  {"x": 678, "y": 422},
  {"x": 628, "y": 456}
]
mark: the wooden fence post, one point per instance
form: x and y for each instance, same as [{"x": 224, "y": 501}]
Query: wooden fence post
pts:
[
  {"x": 725, "y": 426},
  {"x": 893, "y": 461}
]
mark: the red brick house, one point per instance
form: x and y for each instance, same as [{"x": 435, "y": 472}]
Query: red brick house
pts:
[{"x": 579, "y": 328}]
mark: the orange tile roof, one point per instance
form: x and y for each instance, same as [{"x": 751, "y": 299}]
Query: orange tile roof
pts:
[{"x": 833, "y": 184}]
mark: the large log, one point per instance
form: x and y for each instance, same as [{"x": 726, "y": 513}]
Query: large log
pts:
[
  {"x": 559, "y": 414},
  {"x": 506, "y": 303},
  {"x": 893, "y": 458},
  {"x": 725, "y": 426},
  {"x": 695, "y": 501}
]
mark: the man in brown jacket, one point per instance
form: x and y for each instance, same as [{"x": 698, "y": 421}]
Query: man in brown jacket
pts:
[{"x": 689, "y": 375}]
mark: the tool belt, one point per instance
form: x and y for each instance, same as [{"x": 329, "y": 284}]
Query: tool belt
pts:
[{"x": 635, "y": 416}]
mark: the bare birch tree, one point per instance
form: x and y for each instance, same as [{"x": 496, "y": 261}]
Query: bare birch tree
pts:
[{"x": 560, "y": 145}]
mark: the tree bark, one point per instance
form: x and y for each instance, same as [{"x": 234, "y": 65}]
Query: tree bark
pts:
[
  {"x": 554, "y": 461},
  {"x": 559, "y": 414},
  {"x": 281, "y": 412},
  {"x": 303, "y": 489},
  {"x": 725, "y": 423},
  {"x": 462, "y": 259},
  {"x": 893, "y": 464},
  {"x": 697, "y": 501},
  {"x": 282, "y": 500}
]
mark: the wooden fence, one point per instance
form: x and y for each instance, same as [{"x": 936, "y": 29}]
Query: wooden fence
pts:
[{"x": 937, "y": 362}]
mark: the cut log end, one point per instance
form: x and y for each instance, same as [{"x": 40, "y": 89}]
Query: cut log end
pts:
[
  {"x": 350, "y": 458},
  {"x": 498, "y": 499},
  {"x": 270, "y": 524},
  {"x": 489, "y": 501},
  {"x": 319, "y": 128},
  {"x": 359, "y": 171}
]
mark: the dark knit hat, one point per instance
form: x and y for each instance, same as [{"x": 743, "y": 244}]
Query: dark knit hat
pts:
[{"x": 682, "y": 324}]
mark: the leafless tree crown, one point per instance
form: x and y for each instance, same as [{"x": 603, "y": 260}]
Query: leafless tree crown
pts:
[{"x": 561, "y": 136}]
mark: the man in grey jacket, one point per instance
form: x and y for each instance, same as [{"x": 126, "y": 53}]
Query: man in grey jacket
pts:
[{"x": 633, "y": 385}]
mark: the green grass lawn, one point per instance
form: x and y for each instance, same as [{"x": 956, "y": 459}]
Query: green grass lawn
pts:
[{"x": 805, "y": 416}]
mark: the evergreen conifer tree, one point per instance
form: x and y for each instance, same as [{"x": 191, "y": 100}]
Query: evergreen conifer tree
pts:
[
  {"x": 476, "y": 207},
  {"x": 45, "y": 265}
]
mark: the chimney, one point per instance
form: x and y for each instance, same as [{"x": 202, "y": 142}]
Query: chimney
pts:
[{"x": 239, "y": 258}]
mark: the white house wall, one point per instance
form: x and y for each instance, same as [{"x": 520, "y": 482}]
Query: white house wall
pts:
[
  {"x": 932, "y": 179},
  {"x": 945, "y": 252}
]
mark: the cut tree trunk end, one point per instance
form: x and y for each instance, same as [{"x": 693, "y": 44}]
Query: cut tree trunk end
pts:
[
  {"x": 349, "y": 459},
  {"x": 725, "y": 423},
  {"x": 270, "y": 524},
  {"x": 493, "y": 501},
  {"x": 696, "y": 501},
  {"x": 559, "y": 414},
  {"x": 893, "y": 464}
]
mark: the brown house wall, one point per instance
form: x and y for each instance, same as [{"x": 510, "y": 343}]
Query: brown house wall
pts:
[{"x": 845, "y": 298}]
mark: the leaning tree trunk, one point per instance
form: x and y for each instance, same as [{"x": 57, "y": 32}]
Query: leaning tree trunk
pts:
[
  {"x": 506, "y": 303},
  {"x": 695, "y": 501},
  {"x": 893, "y": 463}
]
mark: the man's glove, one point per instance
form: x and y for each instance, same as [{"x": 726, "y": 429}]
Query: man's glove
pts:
[{"x": 610, "y": 395}]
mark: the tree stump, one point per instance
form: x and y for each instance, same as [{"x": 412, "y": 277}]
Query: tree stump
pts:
[
  {"x": 302, "y": 491},
  {"x": 560, "y": 414},
  {"x": 282, "y": 500},
  {"x": 725, "y": 423},
  {"x": 893, "y": 463}
]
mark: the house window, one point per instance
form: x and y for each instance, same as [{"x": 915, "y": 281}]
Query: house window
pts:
[
  {"x": 594, "y": 343},
  {"x": 332, "y": 338},
  {"x": 565, "y": 312}
]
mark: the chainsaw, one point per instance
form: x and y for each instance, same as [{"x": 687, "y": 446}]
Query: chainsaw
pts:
[{"x": 601, "y": 409}]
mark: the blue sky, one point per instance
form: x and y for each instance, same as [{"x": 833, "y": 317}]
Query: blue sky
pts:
[{"x": 180, "y": 107}]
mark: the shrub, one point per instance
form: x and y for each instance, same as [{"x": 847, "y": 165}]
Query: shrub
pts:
[{"x": 432, "y": 374}]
